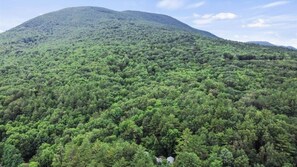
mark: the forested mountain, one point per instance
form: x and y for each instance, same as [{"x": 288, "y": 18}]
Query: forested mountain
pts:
[
  {"x": 96, "y": 24},
  {"x": 93, "y": 87},
  {"x": 265, "y": 43}
]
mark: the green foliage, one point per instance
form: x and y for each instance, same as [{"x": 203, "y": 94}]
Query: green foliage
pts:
[
  {"x": 31, "y": 164},
  {"x": 226, "y": 156},
  {"x": 104, "y": 154},
  {"x": 103, "y": 88},
  {"x": 216, "y": 163},
  {"x": 45, "y": 155},
  {"x": 185, "y": 159},
  {"x": 142, "y": 158},
  {"x": 11, "y": 156}
]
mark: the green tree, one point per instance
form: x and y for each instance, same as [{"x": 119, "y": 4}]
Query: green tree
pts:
[
  {"x": 226, "y": 156},
  {"x": 11, "y": 156},
  {"x": 241, "y": 161},
  {"x": 216, "y": 163},
  {"x": 186, "y": 159},
  {"x": 142, "y": 158},
  {"x": 45, "y": 155}
]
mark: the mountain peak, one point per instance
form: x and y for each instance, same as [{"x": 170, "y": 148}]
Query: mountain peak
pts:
[{"x": 94, "y": 21}]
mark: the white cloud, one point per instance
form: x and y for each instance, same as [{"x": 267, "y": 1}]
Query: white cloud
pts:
[
  {"x": 224, "y": 16},
  {"x": 274, "y": 4},
  {"x": 284, "y": 23},
  {"x": 170, "y": 4},
  {"x": 196, "y": 5},
  {"x": 259, "y": 23},
  {"x": 209, "y": 18},
  {"x": 1, "y": 31}
]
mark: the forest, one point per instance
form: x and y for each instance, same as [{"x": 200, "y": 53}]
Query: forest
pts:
[{"x": 134, "y": 90}]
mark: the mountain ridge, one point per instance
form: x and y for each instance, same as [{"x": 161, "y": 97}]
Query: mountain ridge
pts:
[
  {"x": 161, "y": 19},
  {"x": 95, "y": 19},
  {"x": 266, "y": 43}
]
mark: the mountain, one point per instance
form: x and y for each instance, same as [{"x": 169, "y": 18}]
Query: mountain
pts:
[
  {"x": 168, "y": 21},
  {"x": 290, "y": 47},
  {"x": 265, "y": 43},
  {"x": 92, "y": 23},
  {"x": 89, "y": 86}
]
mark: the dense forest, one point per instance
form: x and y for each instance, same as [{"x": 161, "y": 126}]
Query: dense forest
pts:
[{"x": 123, "y": 88}]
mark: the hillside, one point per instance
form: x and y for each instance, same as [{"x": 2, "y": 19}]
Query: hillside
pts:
[
  {"x": 265, "y": 43},
  {"x": 89, "y": 86},
  {"x": 96, "y": 24}
]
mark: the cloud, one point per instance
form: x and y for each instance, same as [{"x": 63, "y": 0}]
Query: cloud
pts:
[
  {"x": 209, "y": 18},
  {"x": 274, "y": 4},
  {"x": 259, "y": 23},
  {"x": 196, "y": 5},
  {"x": 224, "y": 16},
  {"x": 1, "y": 31},
  {"x": 276, "y": 23},
  {"x": 170, "y": 4}
]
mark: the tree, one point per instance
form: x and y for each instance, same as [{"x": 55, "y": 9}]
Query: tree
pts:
[
  {"x": 216, "y": 163},
  {"x": 11, "y": 156},
  {"x": 241, "y": 161},
  {"x": 142, "y": 158},
  {"x": 45, "y": 155},
  {"x": 186, "y": 159},
  {"x": 121, "y": 163},
  {"x": 226, "y": 156}
]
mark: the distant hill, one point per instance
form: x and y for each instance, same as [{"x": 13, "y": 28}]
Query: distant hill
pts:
[
  {"x": 265, "y": 43},
  {"x": 290, "y": 47}
]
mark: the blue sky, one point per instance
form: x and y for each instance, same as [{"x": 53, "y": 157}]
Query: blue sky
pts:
[{"x": 249, "y": 20}]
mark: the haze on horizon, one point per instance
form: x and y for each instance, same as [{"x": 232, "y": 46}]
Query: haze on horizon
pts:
[{"x": 267, "y": 20}]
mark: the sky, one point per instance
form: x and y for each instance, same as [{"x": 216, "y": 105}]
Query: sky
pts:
[{"x": 248, "y": 20}]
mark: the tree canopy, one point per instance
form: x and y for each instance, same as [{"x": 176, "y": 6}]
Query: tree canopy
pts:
[{"x": 126, "y": 98}]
